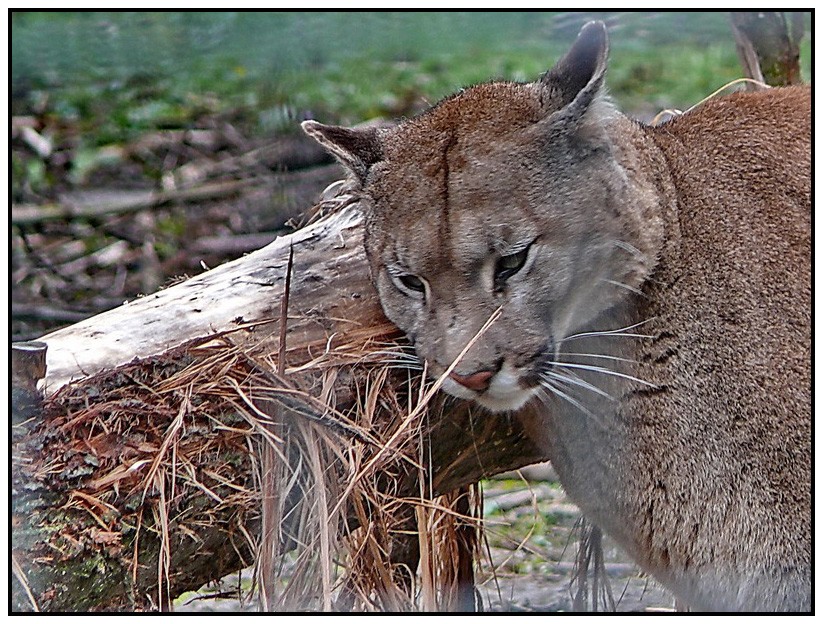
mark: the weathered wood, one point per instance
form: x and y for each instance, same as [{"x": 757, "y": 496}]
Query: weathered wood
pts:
[
  {"x": 86, "y": 522},
  {"x": 332, "y": 283}
]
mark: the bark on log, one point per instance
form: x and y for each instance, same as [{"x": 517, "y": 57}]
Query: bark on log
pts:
[{"x": 128, "y": 503}]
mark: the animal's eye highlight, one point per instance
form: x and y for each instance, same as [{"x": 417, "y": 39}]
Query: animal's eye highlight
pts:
[{"x": 509, "y": 265}]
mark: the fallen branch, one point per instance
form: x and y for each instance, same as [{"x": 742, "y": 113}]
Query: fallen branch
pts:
[
  {"x": 287, "y": 153},
  {"x": 127, "y": 202},
  {"x": 47, "y": 312},
  {"x": 233, "y": 245}
]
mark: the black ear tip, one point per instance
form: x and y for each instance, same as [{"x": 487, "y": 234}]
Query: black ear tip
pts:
[
  {"x": 583, "y": 64},
  {"x": 588, "y": 53},
  {"x": 593, "y": 35},
  {"x": 595, "y": 27}
]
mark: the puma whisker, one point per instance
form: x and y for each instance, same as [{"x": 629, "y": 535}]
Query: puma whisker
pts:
[
  {"x": 571, "y": 380},
  {"x": 599, "y": 356},
  {"x": 553, "y": 390},
  {"x": 632, "y": 289},
  {"x": 604, "y": 371}
]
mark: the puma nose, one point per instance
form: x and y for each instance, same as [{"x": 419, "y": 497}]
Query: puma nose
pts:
[{"x": 476, "y": 381}]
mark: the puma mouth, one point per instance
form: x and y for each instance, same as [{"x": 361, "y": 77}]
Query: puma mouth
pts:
[{"x": 505, "y": 391}]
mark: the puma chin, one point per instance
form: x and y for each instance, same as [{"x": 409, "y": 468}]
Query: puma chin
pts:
[{"x": 507, "y": 390}]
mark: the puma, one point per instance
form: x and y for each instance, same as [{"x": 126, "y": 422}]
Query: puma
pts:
[{"x": 651, "y": 288}]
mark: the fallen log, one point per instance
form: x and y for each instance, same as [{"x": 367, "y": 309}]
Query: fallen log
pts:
[
  {"x": 230, "y": 419},
  {"x": 331, "y": 283}
]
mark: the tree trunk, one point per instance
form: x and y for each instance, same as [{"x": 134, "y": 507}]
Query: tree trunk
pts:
[
  {"x": 768, "y": 44},
  {"x": 140, "y": 477}
]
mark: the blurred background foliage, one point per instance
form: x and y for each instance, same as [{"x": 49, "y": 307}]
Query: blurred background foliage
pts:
[{"x": 121, "y": 73}]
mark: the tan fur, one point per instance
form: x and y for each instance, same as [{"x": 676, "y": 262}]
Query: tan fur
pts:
[{"x": 693, "y": 447}]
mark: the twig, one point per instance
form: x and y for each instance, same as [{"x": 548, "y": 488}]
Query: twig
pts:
[
  {"x": 280, "y": 155},
  {"x": 21, "y": 576},
  {"x": 284, "y": 309},
  {"x": 26, "y": 214},
  {"x": 48, "y": 313}
]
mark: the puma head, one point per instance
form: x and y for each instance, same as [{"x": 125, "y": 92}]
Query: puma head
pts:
[{"x": 503, "y": 196}]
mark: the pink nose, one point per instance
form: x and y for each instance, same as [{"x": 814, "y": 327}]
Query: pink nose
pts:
[{"x": 475, "y": 381}]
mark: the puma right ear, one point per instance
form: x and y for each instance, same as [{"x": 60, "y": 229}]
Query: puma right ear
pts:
[
  {"x": 356, "y": 148},
  {"x": 578, "y": 77}
]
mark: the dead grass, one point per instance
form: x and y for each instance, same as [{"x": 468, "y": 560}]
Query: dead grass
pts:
[{"x": 210, "y": 444}]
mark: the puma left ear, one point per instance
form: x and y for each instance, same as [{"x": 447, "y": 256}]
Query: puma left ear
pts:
[
  {"x": 577, "y": 78},
  {"x": 356, "y": 148}
]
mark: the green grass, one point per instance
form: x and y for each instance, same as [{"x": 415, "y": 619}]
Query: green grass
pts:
[{"x": 117, "y": 75}]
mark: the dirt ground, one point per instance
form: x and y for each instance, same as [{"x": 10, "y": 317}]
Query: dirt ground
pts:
[{"x": 533, "y": 547}]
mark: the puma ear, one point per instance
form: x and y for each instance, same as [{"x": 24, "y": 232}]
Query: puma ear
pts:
[
  {"x": 577, "y": 78},
  {"x": 356, "y": 148}
]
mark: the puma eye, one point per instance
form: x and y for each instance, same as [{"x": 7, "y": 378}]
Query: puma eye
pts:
[
  {"x": 509, "y": 265},
  {"x": 410, "y": 284}
]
